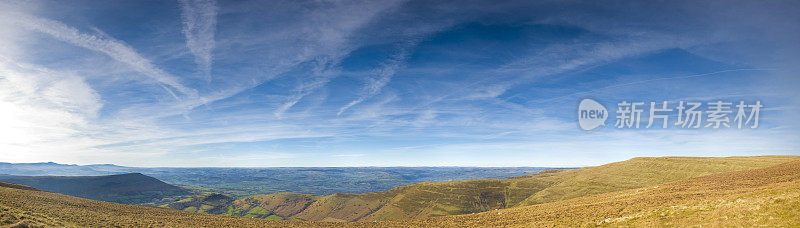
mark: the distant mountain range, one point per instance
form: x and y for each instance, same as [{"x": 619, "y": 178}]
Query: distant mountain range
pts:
[
  {"x": 56, "y": 169},
  {"x": 131, "y": 188}
]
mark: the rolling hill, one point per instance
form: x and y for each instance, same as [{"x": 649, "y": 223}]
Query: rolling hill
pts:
[
  {"x": 748, "y": 197},
  {"x": 432, "y": 199},
  {"x": 761, "y": 197},
  {"x": 132, "y": 188}
]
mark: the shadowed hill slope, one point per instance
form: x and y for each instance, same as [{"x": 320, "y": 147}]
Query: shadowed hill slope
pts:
[
  {"x": 434, "y": 199},
  {"x": 766, "y": 196},
  {"x": 132, "y": 188}
]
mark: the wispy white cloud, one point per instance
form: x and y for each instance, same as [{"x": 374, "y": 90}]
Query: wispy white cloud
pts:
[
  {"x": 332, "y": 29},
  {"x": 382, "y": 77},
  {"x": 199, "y": 26},
  {"x": 115, "y": 49}
]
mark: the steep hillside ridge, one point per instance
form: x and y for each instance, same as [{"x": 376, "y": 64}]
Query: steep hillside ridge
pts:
[
  {"x": 211, "y": 203},
  {"x": 434, "y": 199},
  {"x": 273, "y": 206},
  {"x": 132, "y": 188},
  {"x": 760, "y": 197}
]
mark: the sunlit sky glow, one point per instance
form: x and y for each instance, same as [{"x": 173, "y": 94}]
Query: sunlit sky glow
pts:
[{"x": 384, "y": 83}]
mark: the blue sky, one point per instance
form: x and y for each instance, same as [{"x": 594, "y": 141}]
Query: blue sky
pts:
[{"x": 384, "y": 83}]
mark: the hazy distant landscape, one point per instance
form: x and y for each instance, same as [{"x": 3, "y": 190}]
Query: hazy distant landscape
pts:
[{"x": 242, "y": 182}]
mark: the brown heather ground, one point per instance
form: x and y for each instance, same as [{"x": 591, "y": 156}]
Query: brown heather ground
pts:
[{"x": 766, "y": 196}]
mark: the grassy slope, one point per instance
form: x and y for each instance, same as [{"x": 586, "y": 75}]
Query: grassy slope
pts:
[
  {"x": 433, "y": 199},
  {"x": 644, "y": 171},
  {"x": 764, "y": 196},
  {"x": 768, "y": 196}
]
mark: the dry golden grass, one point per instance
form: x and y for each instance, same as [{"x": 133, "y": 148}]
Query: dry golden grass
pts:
[
  {"x": 767, "y": 196},
  {"x": 761, "y": 197}
]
